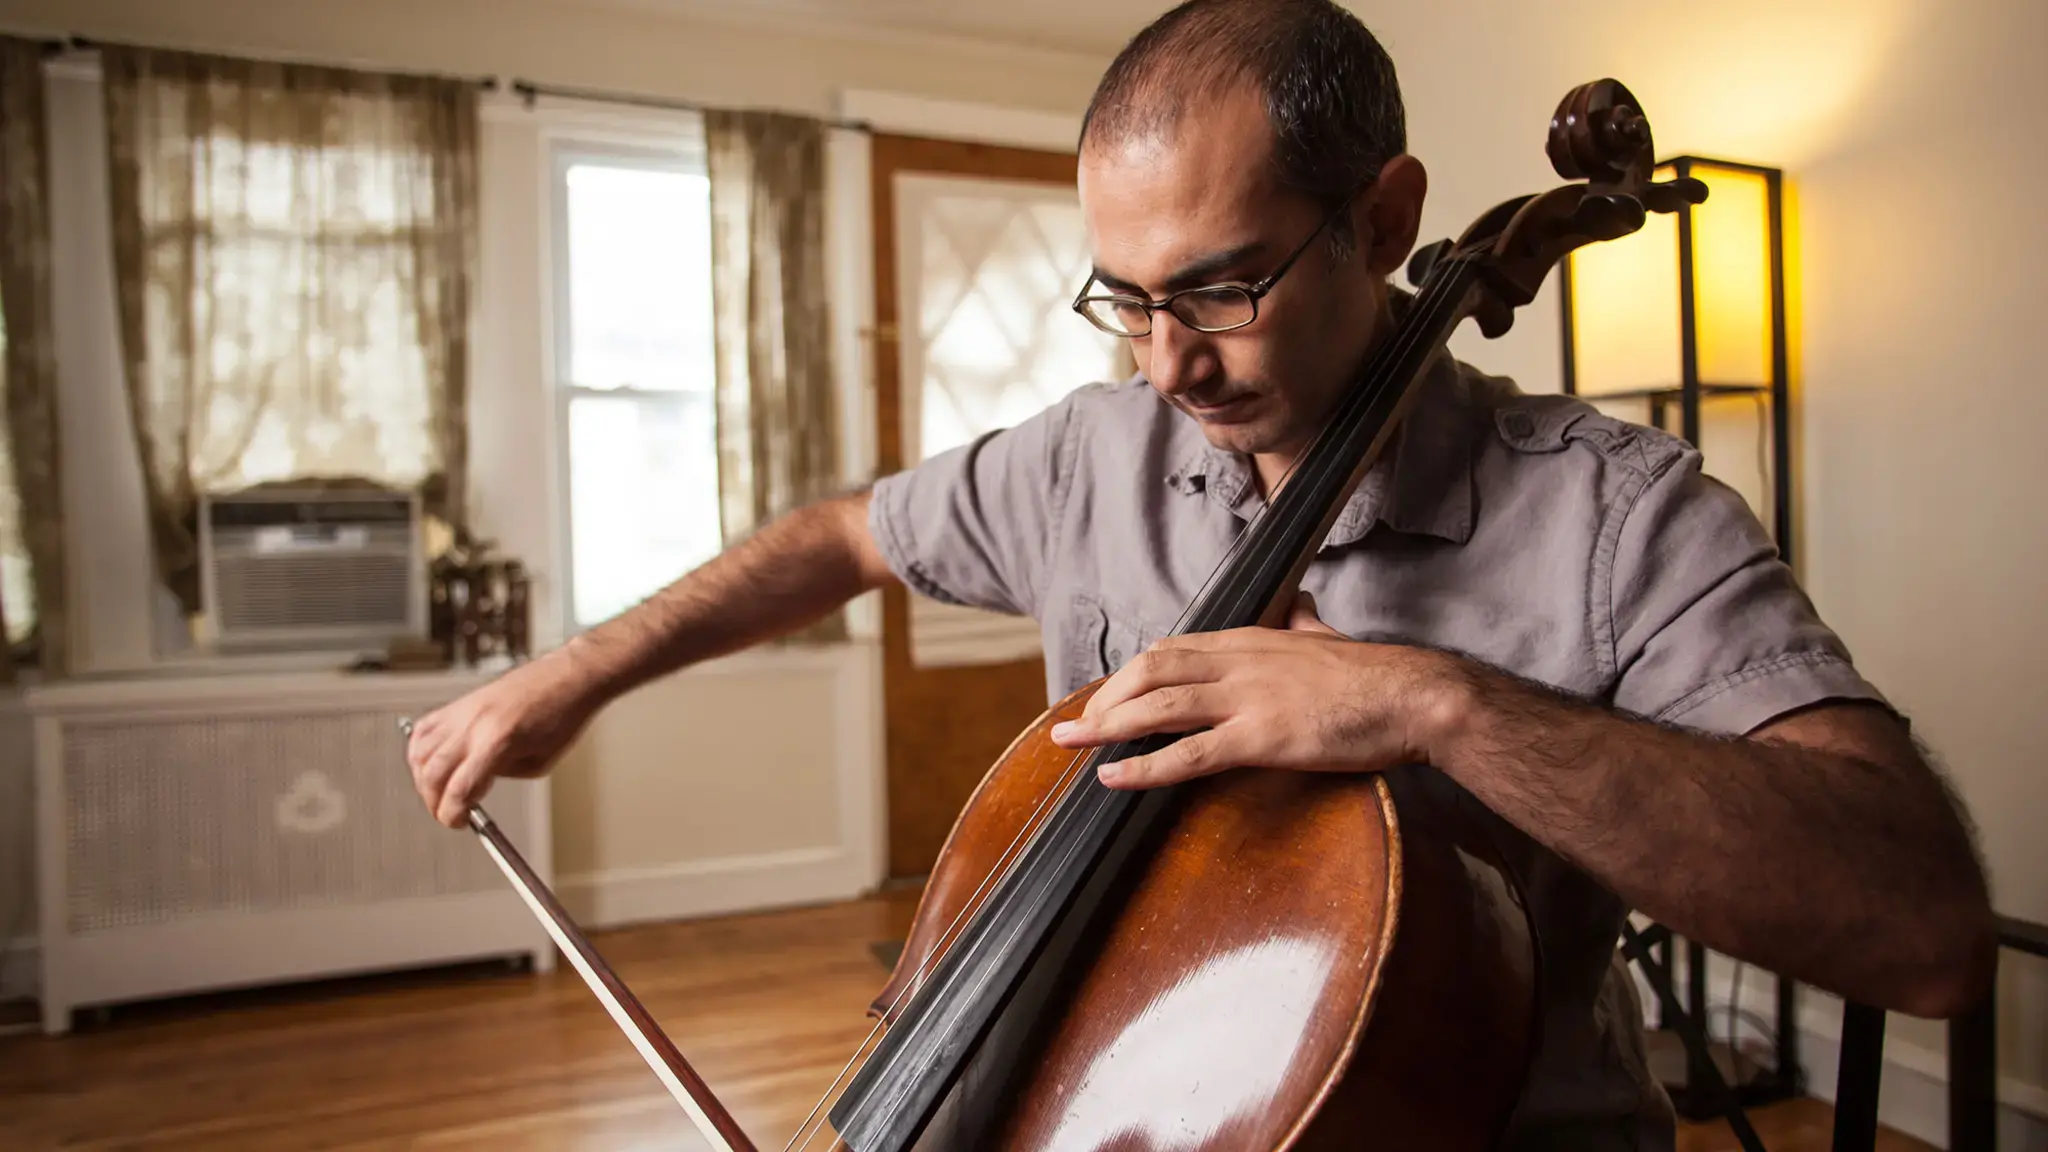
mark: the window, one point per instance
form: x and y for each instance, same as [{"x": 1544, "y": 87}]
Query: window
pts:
[
  {"x": 293, "y": 270},
  {"x": 634, "y": 368},
  {"x": 292, "y": 250}
]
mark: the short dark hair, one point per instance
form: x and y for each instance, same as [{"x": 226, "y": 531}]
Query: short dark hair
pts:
[{"x": 1329, "y": 87}]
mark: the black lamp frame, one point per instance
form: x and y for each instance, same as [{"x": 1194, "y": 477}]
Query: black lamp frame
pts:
[
  {"x": 1690, "y": 390},
  {"x": 1704, "y": 1094}
]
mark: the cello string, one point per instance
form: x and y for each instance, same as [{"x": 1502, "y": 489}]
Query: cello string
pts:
[
  {"x": 1006, "y": 863},
  {"x": 1428, "y": 314},
  {"x": 1428, "y": 310},
  {"x": 1003, "y": 867},
  {"x": 1061, "y": 790},
  {"x": 1405, "y": 341}
]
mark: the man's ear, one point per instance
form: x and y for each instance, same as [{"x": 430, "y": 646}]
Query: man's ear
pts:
[{"x": 1390, "y": 214}]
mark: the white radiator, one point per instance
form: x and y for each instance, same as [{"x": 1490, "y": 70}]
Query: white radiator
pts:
[{"x": 219, "y": 831}]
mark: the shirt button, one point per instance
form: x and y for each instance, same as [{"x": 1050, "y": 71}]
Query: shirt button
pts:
[
  {"x": 1116, "y": 655},
  {"x": 1518, "y": 424}
]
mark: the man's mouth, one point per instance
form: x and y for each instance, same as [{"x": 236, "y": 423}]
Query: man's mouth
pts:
[{"x": 1217, "y": 407}]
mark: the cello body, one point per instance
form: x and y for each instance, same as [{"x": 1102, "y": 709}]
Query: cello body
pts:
[{"x": 1299, "y": 960}]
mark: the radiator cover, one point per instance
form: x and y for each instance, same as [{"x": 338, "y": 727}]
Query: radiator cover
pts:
[{"x": 223, "y": 831}]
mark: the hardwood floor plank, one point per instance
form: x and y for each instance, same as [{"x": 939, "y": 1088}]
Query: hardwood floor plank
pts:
[{"x": 767, "y": 1007}]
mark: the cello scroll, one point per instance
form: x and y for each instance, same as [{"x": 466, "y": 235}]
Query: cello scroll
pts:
[{"x": 1597, "y": 134}]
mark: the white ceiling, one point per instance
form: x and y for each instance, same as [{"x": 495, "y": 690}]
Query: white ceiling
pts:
[{"x": 1095, "y": 28}]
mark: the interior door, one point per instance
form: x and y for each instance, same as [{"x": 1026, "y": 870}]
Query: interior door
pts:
[{"x": 978, "y": 251}]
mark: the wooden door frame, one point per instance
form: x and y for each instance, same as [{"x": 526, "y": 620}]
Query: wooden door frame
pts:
[{"x": 904, "y": 687}]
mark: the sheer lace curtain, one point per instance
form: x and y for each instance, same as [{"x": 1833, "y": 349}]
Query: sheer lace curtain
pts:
[
  {"x": 294, "y": 250},
  {"x": 31, "y": 533},
  {"x": 777, "y": 418}
]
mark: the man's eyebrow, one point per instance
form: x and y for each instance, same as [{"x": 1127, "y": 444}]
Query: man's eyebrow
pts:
[{"x": 1203, "y": 270}]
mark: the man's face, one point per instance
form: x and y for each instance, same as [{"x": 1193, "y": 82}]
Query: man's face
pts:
[{"x": 1201, "y": 205}]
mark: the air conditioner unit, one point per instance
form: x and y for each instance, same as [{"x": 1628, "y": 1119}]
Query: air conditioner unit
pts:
[{"x": 303, "y": 568}]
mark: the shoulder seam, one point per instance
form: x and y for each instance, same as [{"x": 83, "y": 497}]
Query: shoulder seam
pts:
[
  {"x": 1643, "y": 479},
  {"x": 1630, "y": 446},
  {"x": 1573, "y": 420},
  {"x": 1607, "y": 629}
]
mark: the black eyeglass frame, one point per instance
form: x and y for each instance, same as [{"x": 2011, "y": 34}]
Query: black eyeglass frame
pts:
[{"x": 1253, "y": 292}]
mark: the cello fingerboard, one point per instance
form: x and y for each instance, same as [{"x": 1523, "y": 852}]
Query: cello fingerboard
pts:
[{"x": 891, "y": 1099}]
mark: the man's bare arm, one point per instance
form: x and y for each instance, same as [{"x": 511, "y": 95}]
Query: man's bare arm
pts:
[
  {"x": 793, "y": 571},
  {"x": 1823, "y": 847}
]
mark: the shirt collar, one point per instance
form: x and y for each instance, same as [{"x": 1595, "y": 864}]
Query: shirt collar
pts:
[{"x": 1421, "y": 484}]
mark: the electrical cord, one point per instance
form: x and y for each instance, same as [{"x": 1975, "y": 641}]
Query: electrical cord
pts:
[{"x": 1765, "y": 1029}]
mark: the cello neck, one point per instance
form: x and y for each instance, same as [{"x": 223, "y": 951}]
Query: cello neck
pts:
[
  {"x": 1256, "y": 582},
  {"x": 891, "y": 1098}
]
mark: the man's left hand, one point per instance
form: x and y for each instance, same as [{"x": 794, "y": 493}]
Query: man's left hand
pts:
[{"x": 1306, "y": 697}]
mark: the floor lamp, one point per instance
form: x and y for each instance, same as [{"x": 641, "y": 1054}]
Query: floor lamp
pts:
[{"x": 1688, "y": 316}]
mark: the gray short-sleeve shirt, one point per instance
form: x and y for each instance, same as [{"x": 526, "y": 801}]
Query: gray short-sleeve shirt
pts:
[{"x": 1528, "y": 531}]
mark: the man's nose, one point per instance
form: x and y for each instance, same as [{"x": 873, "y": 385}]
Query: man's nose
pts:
[{"x": 1178, "y": 357}]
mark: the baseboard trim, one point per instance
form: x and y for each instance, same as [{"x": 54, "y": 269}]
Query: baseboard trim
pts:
[
  {"x": 21, "y": 970},
  {"x": 614, "y": 897}
]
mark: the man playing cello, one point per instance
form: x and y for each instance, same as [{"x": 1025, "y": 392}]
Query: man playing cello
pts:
[{"x": 1556, "y": 609}]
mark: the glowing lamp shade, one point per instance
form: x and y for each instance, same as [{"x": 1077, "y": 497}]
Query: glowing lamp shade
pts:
[
  {"x": 1731, "y": 264},
  {"x": 1693, "y": 299},
  {"x": 1689, "y": 308}
]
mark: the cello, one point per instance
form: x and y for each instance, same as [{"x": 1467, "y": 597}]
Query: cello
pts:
[{"x": 1251, "y": 960}]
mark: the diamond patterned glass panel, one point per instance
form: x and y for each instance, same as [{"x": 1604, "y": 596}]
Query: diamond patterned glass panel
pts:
[{"x": 997, "y": 264}]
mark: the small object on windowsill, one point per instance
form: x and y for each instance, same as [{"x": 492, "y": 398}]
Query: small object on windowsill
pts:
[{"x": 480, "y": 607}]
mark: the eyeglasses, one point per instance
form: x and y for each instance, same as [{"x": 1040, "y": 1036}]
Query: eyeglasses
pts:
[{"x": 1209, "y": 308}]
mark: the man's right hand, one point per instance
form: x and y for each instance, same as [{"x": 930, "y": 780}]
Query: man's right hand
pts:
[{"x": 517, "y": 725}]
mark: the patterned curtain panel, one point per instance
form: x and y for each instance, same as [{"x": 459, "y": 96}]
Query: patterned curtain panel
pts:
[
  {"x": 295, "y": 250},
  {"x": 31, "y": 529},
  {"x": 778, "y": 426}
]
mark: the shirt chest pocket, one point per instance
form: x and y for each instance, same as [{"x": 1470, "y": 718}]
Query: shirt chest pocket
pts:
[{"x": 1100, "y": 637}]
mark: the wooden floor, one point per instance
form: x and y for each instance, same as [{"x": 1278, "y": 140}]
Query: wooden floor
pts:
[{"x": 766, "y": 1007}]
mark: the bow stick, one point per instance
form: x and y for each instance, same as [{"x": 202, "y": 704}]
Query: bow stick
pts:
[{"x": 675, "y": 1073}]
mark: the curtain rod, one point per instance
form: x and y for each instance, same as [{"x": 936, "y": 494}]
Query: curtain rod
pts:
[
  {"x": 529, "y": 91},
  {"x": 84, "y": 44}
]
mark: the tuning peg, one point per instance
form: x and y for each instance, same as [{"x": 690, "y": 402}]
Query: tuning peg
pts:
[
  {"x": 1606, "y": 216},
  {"x": 1424, "y": 259},
  {"x": 1672, "y": 195}
]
